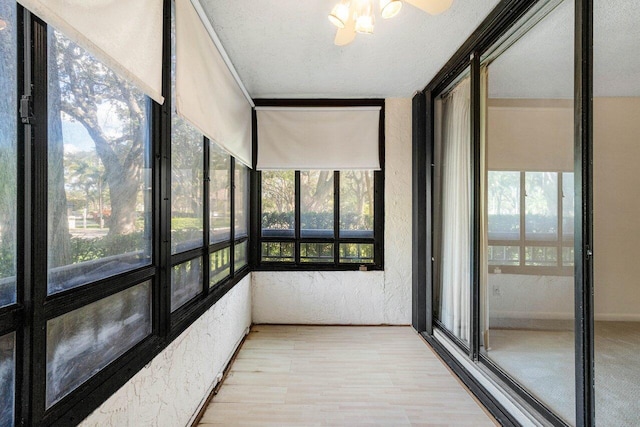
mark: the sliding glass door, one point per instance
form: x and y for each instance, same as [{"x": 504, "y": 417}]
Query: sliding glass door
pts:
[
  {"x": 528, "y": 301},
  {"x": 616, "y": 203}
]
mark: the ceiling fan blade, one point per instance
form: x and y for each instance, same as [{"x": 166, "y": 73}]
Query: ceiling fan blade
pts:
[
  {"x": 432, "y": 7},
  {"x": 346, "y": 35}
]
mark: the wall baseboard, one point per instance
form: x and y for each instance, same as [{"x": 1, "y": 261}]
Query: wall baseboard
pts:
[{"x": 213, "y": 388}]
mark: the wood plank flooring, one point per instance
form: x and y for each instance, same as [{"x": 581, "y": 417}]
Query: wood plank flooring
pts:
[{"x": 340, "y": 376}]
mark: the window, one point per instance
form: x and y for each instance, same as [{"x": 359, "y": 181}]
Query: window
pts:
[
  {"x": 207, "y": 247},
  {"x": 99, "y": 201},
  {"x": 119, "y": 222},
  {"x": 7, "y": 376},
  {"x": 83, "y": 341},
  {"x": 8, "y": 154},
  {"x": 530, "y": 222},
  {"x": 241, "y": 182},
  {"x": 219, "y": 194},
  {"x": 319, "y": 219}
]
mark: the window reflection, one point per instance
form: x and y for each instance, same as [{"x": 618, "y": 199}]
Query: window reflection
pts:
[
  {"x": 527, "y": 282},
  {"x": 99, "y": 172}
]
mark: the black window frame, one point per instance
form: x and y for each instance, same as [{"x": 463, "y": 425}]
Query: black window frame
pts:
[
  {"x": 500, "y": 21},
  {"x": 28, "y": 316},
  {"x": 378, "y": 218}
]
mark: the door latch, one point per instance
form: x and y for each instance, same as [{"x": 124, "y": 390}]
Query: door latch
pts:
[{"x": 26, "y": 109}]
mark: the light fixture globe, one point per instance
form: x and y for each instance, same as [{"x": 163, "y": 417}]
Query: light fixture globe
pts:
[
  {"x": 390, "y": 8},
  {"x": 364, "y": 24},
  {"x": 340, "y": 14}
]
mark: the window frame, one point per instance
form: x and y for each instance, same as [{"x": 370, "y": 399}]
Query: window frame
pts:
[
  {"x": 28, "y": 316},
  {"x": 378, "y": 187},
  {"x": 501, "y": 21},
  {"x": 560, "y": 269}
]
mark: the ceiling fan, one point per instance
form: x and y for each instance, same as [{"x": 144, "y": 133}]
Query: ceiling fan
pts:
[{"x": 356, "y": 16}]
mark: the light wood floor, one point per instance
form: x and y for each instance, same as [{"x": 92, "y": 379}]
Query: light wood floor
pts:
[{"x": 341, "y": 375}]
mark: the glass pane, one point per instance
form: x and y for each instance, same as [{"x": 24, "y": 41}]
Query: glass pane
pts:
[
  {"x": 454, "y": 150},
  {"x": 541, "y": 201},
  {"x": 278, "y": 252},
  {"x": 504, "y": 205},
  {"x": 186, "y": 282},
  {"x": 504, "y": 255},
  {"x": 616, "y": 203},
  {"x": 82, "y": 342},
  {"x": 241, "y": 199},
  {"x": 568, "y": 257},
  {"x": 568, "y": 202},
  {"x": 8, "y": 153},
  {"x": 220, "y": 266},
  {"x": 316, "y": 252},
  {"x": 542, "y": 256},
  {"x": 316, "y": 204},
  {"x": 527, "y": 319},
  {"x": 219, "y": 196},
  {"x": 99, "y": 207},
  {"x": 356, "y": 204},
  {"x": 187, "y": 173},
  {"x": 7, "y": 376},
  {"x": 356, "y": 253},
  {"x": 278, "y": 203},
  {"x": 240, "y": 255}
]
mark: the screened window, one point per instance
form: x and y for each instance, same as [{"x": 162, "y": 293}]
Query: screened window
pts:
[
  {"x": 7, "y": 377},
  {"x": 530, "y": 221},
  {"x": 241, "y": 200},
  {"x": 316, "y": 204},
  {"x": 186, "y": 282},
  {"x": 116, "y": 215},
  {"x": 356, "y": 204},
  {"x": 187, "y": 174},
  {"x": 219, "y": 194},
  {"x": 278, "y": 203},
  {"x": 99, "y": 202},
  {"x": 83, "y": 341},
  {"x": 319, "y": 218}
]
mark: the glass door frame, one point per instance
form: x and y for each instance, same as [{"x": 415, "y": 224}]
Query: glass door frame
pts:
[{"x": 501, "y": 20}]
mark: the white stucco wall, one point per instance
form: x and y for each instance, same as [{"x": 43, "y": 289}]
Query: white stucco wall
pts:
[
  {"x": 375, "y": 297},
  {"x": 170, "y": 389}
]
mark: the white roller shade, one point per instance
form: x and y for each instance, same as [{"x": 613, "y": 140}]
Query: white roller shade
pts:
[
  {"x": 126, "y": 35},
  {"x": 342, "y": 138},
  {"x": 207, "y": 94}
]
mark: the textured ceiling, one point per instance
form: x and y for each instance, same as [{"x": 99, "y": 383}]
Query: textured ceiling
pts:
[
  {"x": 540, "y": 64},
  {"x": 284, "y": 48}
]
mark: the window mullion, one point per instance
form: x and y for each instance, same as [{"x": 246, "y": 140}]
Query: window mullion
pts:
[
  {"x": 297, "y": 216},
  {"x": 206, "y": 216},
  {"x": 523, "y": 204},
  {"x": 336, "y": 217},
  {"x": 559, "y": 214},
  {"x": 232, "y": 222}
]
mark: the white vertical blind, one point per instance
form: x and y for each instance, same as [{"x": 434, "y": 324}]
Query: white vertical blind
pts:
[
  {"x": 207, "y": 94},
  {"x": 318, "y": 138},
  {"x": 126, "y": 35}
]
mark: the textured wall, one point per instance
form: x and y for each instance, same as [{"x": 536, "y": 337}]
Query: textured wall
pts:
[
  {"x": 169, "y": 390},
  {"x": 355, "y": 297}
]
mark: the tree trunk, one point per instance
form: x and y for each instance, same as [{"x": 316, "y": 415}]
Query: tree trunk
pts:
[{"x": 59, "y": 237}]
